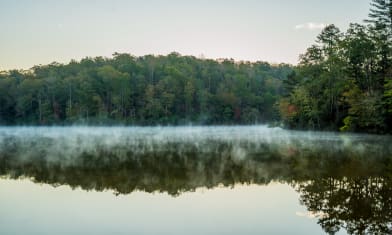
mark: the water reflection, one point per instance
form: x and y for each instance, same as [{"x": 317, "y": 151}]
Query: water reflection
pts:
[
  {"x": 344, "y": 180},
  {"x": 360, "y": 205}
]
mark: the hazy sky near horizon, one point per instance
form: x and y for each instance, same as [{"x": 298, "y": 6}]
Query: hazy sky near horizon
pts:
[{"x": 36, "y": 32}]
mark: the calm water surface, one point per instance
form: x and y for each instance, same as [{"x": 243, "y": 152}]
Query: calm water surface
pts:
[{"x": 193, "y": 180}]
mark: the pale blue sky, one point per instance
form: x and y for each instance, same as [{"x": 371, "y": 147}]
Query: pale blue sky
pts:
[{"x": 42, "y": 31}]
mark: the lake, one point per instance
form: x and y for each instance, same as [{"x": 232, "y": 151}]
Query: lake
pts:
[{"x": 193, "y": 180}]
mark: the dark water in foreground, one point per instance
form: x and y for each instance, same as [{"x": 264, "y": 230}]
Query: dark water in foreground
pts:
[{"x": 193, "y": 180}]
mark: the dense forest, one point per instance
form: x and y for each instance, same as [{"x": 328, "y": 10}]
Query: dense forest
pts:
[
  {"x": 343, "y": 82},
  {"x": 145, "y": 90}
]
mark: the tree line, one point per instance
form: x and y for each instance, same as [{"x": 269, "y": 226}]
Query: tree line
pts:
[
  {"x": 344, "y": 81},
  {"x": 146, "y": 90}
]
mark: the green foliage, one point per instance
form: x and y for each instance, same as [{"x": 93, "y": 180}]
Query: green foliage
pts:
[
  {"x": 145, "y": 90},
  {"x": 344, "y": 81},
  {"x": 388, "y": 97}
]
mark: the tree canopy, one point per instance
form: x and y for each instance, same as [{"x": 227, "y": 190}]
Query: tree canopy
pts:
[
  {"x": 146, "y": 90},
  {"x": 344, "y": 81}
]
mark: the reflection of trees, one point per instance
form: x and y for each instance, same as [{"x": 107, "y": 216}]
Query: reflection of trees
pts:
[
  {"x": 124, "y": 170},
  {"x": 360, "y": 205},
  {"x": 347, "y": 189}
]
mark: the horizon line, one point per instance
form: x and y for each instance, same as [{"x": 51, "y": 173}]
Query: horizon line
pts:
[{"x": 199, "y": 57}]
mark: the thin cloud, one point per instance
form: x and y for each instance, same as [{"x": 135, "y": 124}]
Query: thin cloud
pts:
[
  {"x": 310, "y": 26},
  {"x": 311, "y": 214}
]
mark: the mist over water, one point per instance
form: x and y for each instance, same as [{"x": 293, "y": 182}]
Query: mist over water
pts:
[
  {"x": 66, "y": 144},
  {"x": 344, "y": 180}
]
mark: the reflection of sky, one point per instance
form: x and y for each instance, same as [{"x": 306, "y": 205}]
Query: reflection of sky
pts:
[{"x": 28, "y": 208}]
